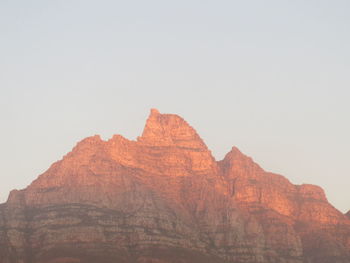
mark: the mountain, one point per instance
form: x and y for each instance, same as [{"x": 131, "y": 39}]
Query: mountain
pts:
[{"x": 164, "y": 199}]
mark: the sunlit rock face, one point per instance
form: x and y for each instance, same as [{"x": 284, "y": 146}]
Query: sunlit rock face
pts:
[{"x": 164, "y": 199}]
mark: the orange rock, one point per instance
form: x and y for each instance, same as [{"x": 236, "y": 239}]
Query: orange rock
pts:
[{"x": 164, "y": 198}]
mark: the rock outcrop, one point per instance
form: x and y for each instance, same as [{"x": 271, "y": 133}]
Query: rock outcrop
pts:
[{"x": 164, "y": 198}]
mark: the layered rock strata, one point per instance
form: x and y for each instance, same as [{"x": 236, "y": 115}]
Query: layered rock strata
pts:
[{"x": 163, "y": 198}]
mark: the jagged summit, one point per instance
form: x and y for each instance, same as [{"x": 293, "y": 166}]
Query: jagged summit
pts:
[
  {"x": 170, "y": 130},
  {"x": 235, "y": 159},
  {"x": 164, "y": 199}
]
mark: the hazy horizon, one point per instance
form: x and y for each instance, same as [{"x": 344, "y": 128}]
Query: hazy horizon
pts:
[{"x": 271, "y": 78}]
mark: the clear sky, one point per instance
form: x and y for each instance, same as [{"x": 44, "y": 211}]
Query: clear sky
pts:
[{"x": 270, "y": 77}]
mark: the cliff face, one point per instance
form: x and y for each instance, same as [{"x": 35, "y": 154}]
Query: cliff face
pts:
[{"x": 164, "y": 198}]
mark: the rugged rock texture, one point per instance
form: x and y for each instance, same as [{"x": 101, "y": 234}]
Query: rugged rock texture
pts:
[{"x": 164, "y": 199}]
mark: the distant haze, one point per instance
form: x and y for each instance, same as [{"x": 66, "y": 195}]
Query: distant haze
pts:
[{"x": 270, "y": 77}]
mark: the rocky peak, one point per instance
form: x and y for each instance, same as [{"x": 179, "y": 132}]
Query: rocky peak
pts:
[
  {"x": 237, "y": 164},
  {"x": 312, "y": 192},
  {"x": 87, "y": 147},
  {"x": 163, "y": 198},
  {"x": 170, "y": 130}
]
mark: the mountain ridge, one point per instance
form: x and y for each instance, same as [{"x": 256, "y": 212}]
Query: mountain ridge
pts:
[{"x": 164, "y": 198}]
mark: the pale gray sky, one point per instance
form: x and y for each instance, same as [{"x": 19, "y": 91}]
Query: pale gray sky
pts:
[{"x": 270, "y": 77}]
